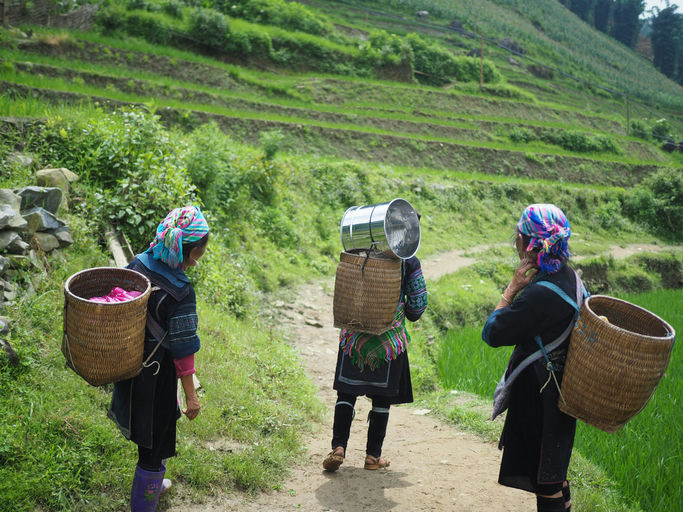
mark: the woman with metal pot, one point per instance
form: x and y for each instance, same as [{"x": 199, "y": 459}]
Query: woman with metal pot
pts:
[
  {"x": 145, "y": 408},
  {"x": 536, "y": 314},
  {"x": 376, "y": 365}
]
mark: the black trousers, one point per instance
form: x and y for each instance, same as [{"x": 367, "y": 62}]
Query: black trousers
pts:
[{"x": 378, "y": 418}]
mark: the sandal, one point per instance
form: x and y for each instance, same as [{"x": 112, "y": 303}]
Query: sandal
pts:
[
  {"x": 376, "y": 462},
  {"x": 333, "y": 460}
]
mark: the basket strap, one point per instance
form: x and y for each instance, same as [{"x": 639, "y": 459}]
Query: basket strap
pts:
[
  {"x": 158, "y": 333},
  {"x": 560, "y": 292}
]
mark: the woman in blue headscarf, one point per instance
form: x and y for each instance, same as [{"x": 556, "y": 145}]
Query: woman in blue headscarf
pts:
[
  {"x": 535, "y": 315},
  {"x": 145, "y": 408}
]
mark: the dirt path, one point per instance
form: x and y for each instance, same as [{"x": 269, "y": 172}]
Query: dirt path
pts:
[{"x": 434, "y": 467}]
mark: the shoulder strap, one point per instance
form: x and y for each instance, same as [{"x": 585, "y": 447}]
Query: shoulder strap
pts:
[
  {"x": 157, "y": 331},
  {"x": 560, "y": 292}
]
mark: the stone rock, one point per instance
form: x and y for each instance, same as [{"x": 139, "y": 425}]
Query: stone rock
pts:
[
  {"x": 61, "y": 178},
  {"x": 4, "y": 325},
  {"x": 10, "y": 296},
  {"x": 20, "y": 159},
  {"x": 7, "y": 213},
  {"x": 10, "y": 241},
  {"x": 10, "y": 211},
  {"x": 10, "y": 199},
  {"x": 48, "y": 198},
  {"x": 46, "y": 241},
  {"x": 511, "y": 45},
  {"x": 4, "y": 262},
  {"x": 9, "y": 351},
  {"x": 40, "y": 219},
  {"x": 27, "y": 261},
  {"x": 63, "y": 235}
]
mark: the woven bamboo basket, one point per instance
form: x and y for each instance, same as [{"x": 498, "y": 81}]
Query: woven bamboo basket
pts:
[
  {"x": 104, "y": 342},
  {"x": 613, "y": 367},
  {"x": 366, "y": 292}
]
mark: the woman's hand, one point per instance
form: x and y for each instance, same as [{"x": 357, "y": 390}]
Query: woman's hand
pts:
[
  {"x": 523, "y": 275},
  {"x": 192, "y": 404}
]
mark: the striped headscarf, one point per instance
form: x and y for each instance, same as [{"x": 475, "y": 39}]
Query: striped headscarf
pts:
[
  {"x": 181, "y": 225},
  {"x": 549, "y": 230}
]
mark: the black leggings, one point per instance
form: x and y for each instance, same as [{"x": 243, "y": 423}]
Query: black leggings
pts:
[
  {"x": 378, "y": 418},
  {"x": 148, "y": 461}
]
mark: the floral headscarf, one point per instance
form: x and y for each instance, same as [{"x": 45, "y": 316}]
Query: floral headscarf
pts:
[
  {"x": 549, "y": 230},
  {"x": 181, "y": 225}
]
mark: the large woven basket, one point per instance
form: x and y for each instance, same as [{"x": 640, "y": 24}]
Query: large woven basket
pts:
[
  {"x": 613, "y": 367},
  {"x": 366, "y": 292},
  {"x": 104, "y": 342}
]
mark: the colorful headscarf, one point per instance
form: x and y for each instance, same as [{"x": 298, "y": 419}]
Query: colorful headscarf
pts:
[
  {"x": 549, "y": 230},
  {"x": 181, "y": 225}
]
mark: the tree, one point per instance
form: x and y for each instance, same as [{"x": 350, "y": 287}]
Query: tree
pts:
[
  {"x": 601, "y": 14},
  {"x": 667, "y": 32},
  {"x": 626, "y": 21},
  {"x": 582, "y": 8}
]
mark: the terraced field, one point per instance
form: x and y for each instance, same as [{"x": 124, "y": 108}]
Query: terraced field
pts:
[{"x": 358, "y": 119}]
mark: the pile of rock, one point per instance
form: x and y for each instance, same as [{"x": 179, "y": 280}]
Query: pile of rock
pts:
[{"x": 29, "y": 226}]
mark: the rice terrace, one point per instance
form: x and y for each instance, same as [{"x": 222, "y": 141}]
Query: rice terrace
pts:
[{"x": 275, "y": 117}]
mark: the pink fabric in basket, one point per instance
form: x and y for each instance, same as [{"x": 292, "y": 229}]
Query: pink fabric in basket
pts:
[{"x": 117, "y": 295}]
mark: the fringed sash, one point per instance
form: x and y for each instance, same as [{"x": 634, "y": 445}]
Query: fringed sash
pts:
[{"x": 375, "y": 350}]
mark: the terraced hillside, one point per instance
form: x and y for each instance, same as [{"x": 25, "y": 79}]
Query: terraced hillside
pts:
[{"x": 424, "y": 127}]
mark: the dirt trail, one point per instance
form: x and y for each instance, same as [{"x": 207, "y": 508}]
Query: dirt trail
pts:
[{"x": 434, "y": 467}]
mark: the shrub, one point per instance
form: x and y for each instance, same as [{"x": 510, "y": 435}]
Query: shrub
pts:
[
  {"x": 580, "y": 142},
  {"x": 129, "y": 160},
  {"x": 640, "y": 129},
  {"x": 661, "y": 129},
  {"x": 173, "y": 8},
  {"x": 657, "y": 202},
  {"x": 288, "y": 15},
  {"x": 270, "y": 141},
  {"x": 209, "y": 27},
  {"x": 523, "y": 135}
]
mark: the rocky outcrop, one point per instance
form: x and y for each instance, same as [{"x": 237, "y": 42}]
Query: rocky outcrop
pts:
[{"x": 30, "y": 226}]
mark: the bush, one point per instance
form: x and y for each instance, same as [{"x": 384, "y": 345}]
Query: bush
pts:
[
  {"x": 640, "y": 129},
  {"x": 270, "y": 141},
  {"x": 288, "y": 15},
  {"x": 580, "y": 142},
  {"x": 209, "y": 27},
  {"x": 173, "y": 8},
  {"x": 661, "y": 129},
  {"x": 523, "y": 135},
  {"x": 657, "y": 202},
  {"x": 129, "y": 160}
]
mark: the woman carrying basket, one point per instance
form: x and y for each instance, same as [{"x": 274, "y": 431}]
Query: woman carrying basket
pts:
[
  {"x": 535, "y": 314},
  {"x": 145, "y": 408},
  {"x": 376, "y": 366}
]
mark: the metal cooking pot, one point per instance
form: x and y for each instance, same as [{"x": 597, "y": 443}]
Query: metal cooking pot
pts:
[{"x": 392, "y": 228}]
